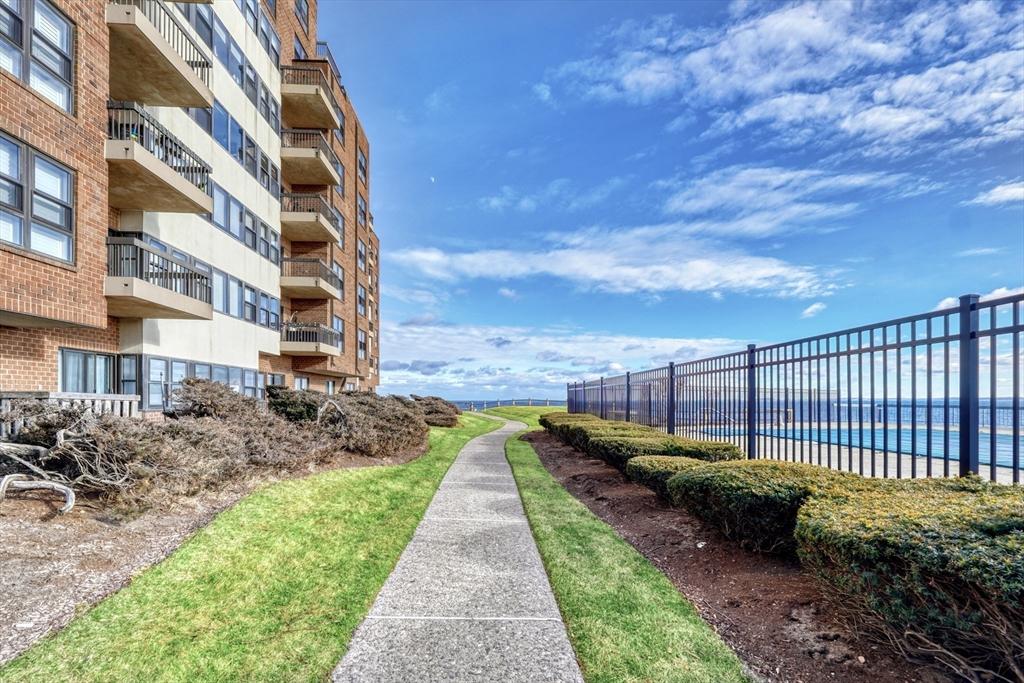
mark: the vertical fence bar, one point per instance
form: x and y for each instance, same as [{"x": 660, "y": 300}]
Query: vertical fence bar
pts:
[
  {"x": 601, "y": 411},
  {"x": 629, "y": 399},
  {"x": 670, "y": 421},
  {"x": 969, "y": 394},
  {"x": 751, "y": 402},
  {"x": 583, "y": 397}
]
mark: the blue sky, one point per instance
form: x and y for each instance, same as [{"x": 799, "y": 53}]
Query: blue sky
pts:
[{"x": 564, "y": 190}]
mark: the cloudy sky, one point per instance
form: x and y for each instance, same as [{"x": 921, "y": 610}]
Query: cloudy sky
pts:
[{"x": 565, "y": 190}]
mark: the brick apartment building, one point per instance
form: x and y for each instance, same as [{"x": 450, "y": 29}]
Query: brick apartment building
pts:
[{"x": 184, "y": 191}]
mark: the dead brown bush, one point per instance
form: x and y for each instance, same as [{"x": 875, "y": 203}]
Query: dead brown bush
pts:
[
  {"x": 213, "y": 436},
  {"x": 437, "y": 412}
]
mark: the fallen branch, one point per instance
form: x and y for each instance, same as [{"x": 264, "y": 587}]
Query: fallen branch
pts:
[{"x": 20, "y": 482}]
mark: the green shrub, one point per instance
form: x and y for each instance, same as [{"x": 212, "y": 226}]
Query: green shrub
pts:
[
  {"x": 709, "y": 451},
  {"x": 934, "y": 567},
  {"x": 654, "y": 471},
  {"x": 617, "y": 450},
  {"x": 558, "y": 423},
  {"x": 755, "y": 502},
  {"x": 579, "y": 435}
]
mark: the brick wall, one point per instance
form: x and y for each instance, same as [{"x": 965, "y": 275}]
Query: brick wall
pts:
[{"x": 36, "y": 285}]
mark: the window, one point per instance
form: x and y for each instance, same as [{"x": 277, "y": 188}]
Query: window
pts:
[
  {"x": 250, "y": 304},
  {"x": 235, "y": 379},
  {"x": 341, "y": 174},
  {"x": 361, "y": 300},
  {"x": 202, "y": 116},
  {"x": 220, "y": 374},
  {"x": 35, "y": 201},
  {"x": 361, "y": 210},
  {"x": 340, "y": 272},
  {"x": 302, "y": 12},
  {"x": 361, "y": 255},
  {"x": 129, "y": 374},
  {"x": 350, "y": 386},
  {"x": 329, "y": 387},
  {"x": 361, "y": 348},
  {"x": 250, "y": 156},
  {"x": 251, "y": 87},
  {"x": 156, "y": 379},
  {"x": 236, "y": 63},
  {"x": 202, "y": 371},
  {"x": 84, "y": 372},
  {"x": 264, "y": 310},
  {"x": 220, "y": 292},
  {"x": 249, "y": 383},
  {"x": 221, "y": 124},
  {"x": 339, "y": 218},
  {"x": 235, "y": 297},
  {"x": 249, "y": 227},
  {"x": 301, "y": 383},
  {"x": 300, "y": 52},
  {"x": 235, "y": 213},
  {"x": 220, "y": 208},
  {"x": 36, "y": 46},
  {"x": 361, "y": 166},
  {"x": 338, "y": 325}
]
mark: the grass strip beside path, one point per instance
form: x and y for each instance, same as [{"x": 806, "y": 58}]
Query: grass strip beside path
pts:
[
  {"x": 529, "y": 416},
  {"x": 626, "y": 620},
  {"x": 271, "y": 590}
]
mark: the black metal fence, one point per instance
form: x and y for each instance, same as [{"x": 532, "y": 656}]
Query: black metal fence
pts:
[
  {"x": 129, "y": 121},
  {"x": 484, "y": 404},
  {"x": 310, "y": 333},
  {"x": 934, "y": 394},
  {"x": 129, "y": 257}
]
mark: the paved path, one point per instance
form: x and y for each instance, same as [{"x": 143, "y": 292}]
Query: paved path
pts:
[{"x": 469, "y": 599}]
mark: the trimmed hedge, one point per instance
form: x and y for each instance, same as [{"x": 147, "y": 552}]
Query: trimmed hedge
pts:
[
  {"x": 654, "y": 471},
  {"x": 617, "y": 450},
  {"x": 934, "y": 567},
  {"x": 579, "y": 435},
  {"x": 755, "y": 502}
]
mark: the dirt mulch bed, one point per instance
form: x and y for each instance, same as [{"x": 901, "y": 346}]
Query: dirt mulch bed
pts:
[
  {"x": 52, "y": 567},
  {"x": 764, "y": 607}
]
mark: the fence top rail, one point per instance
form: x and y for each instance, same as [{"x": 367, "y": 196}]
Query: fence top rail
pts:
[
  {"x": 126, "y": 241},
  {"x": 68, "y": 396}
]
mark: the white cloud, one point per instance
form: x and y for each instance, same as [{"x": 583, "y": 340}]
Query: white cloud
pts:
[
  {"x": 980, "y": 251},
  {"x": 559, "y": 193},
  {"x": 508, "y": 293},
  {"x": 542, "y": 91},
  {"x": 813, "y": 310},
  {"x": 819, "y": 72},
  {"x": 538, "y": 361},
  {"x": 998, "y": 293},
  {"x": 762, "y": 201},
  {"x": 442, "y": 98},
  {"x": 1007, "y": 193},
  {"x": 648, "y": 259}
]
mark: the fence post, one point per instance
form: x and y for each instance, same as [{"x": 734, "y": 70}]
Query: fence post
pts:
[
  {"x": 628, "y": 397},
  {"x": 601, "y": 411},
  {"x": 670, "y": 420},
  {"x": 969, "y": 369},
  {"x": 584, "y": 395},
  {"x": 751, "y": 402}
]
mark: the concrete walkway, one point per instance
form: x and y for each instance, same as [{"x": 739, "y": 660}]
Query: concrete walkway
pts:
[{"x": 469, "y": 599}]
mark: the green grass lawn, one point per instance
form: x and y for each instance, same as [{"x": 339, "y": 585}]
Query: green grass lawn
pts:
[
  {"x": 625, "y": 619},
  {"x": 526, "y": 414},
  {"x": 271, "y": 590}
]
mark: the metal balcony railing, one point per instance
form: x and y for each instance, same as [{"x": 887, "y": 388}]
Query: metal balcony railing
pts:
[
  {"x": 309, "y": 139},
  {"x": 129, "y": 257},
  {"x": 323, "y": 51},
  {"x": 309, "y": 267},
  {"x": 310, "y": 333},
  {"x": 179, "y": 39},
  {"x": 309, "y": 75},
  {"x": 308, "y": 202},
  {"x": 129, "y": 121}
]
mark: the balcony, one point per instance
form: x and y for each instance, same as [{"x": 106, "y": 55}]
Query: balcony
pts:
[
  {"x": 309, "y": 339},
  {"x": 307, "y": 217},
  {"x": 306, "y": 98},
  {"x": 142, "y": 282},
  {"x": 309, "y": 278},
  {"x": 153, "y": 58},
  {"x": 307, "y": 158},
  {"x": 151, "y": 169},
  {"x": 323, "y": 51}
]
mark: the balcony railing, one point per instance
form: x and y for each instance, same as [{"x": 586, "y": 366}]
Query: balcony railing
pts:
[
  {"x": 308, "y": 139},
  {"x": 308, "y": 202},
  {"x": 129, "y": 122},
  {"x": 323, "y": 51},
  {"x": 310, "y": 333},
  {"x": 176, "y": 36},
  {"x": 308, "y": 75},
  {"x": 309, "y": 267},
  {"x": 129, "y": 257}
]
